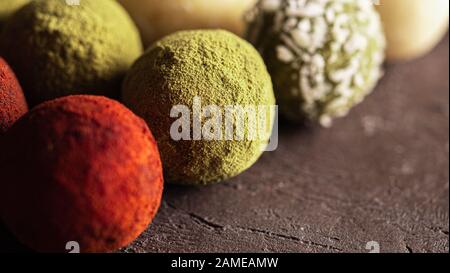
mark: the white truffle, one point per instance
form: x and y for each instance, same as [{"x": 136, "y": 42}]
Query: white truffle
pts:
[
  {"x": 413, "y": 27},
  {"x": 158, "y": 18}
]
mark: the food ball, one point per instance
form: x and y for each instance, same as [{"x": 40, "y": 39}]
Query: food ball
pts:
[
  {"x": 12, "y": 101},
  {"x": 79, "y": 168},
  {"x": 199, "y": 72},
  {"x": 8, "y": 7},
  {"x": 157, "y": 18},
  {"x": 413, "y": 27},
  {"x": 58, "y": 49},
  {"x": 324, "y": 56}
]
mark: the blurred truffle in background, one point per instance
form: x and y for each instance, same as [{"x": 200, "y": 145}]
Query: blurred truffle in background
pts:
[
  {"x": 8, "y": 7},
  {"x": 325, "y": 57},
  {"x": 12, "y": 100},
  {"x": 156, "y": 18},
  {"x": 56, "y": 49},
  {"x": 413, "y": 27}
]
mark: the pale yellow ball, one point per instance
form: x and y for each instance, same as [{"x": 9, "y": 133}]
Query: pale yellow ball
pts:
[
  {"x": 413, "y": 27},
  {"x": 8, "y": 7},
  {"x": 158, "y": 18}
]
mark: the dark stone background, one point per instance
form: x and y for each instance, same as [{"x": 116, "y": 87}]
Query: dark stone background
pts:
[{"x": 381, "y": 174}]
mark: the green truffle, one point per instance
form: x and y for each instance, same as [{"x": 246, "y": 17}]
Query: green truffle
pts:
[
  {"x": 222, "y": 70},
  {"x": 58, "y": 49},
  {"x": 324, "y": 56},
  {"x": 8, "y": 7}
]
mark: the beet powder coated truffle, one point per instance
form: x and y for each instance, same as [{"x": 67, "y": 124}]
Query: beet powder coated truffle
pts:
[
  {"x": 79, "y": 168},
  {"x": 12, "y": 100}
]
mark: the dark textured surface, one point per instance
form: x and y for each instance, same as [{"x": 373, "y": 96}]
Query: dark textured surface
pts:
[{"x": 381, "y": 174}]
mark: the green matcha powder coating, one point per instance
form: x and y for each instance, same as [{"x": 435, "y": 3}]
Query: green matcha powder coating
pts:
[
  {"x": 58, "y": 49},
  {"x": 216, "y": 66}
]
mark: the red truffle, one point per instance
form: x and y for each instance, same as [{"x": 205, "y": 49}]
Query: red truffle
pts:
[
  {"x": 79, "y": 168},
  {"x": 12, "y": 100}
]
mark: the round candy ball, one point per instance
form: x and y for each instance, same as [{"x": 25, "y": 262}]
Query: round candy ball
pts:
[
  {"x": 58, "y": 49},
  {"x": 79, "y": 168},
  {"x": 194, "y": 71},
  {"x": 157, "y": 18},
  {"x": 324, "y": 56},
  {"x": 8, "y": 7},
  {"x": 413, "y": 27},
  {"x": 12, "y": 101}
]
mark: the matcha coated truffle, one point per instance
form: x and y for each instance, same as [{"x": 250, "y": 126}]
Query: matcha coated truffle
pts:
[
  {"x": 8, "y": 7},
  {"x": 12, "y": 100},
  {"x": 79, "y": 168},
  {"x": 324, "y": 56},
  {"x": 58, "y": 49},
  {"x": 213, "y": 67}
]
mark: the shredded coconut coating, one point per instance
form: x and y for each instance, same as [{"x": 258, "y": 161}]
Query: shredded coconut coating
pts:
[{"x": 324, "y": 56}]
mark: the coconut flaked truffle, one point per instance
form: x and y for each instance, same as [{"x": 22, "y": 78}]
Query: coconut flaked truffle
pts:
[
  {"x": 215, "y": 69},
  {"x": 324, "y": 55},
  {"x": 12, "y": 100},
  {"x": 58, "y": 49},
  {"x": 79, "y": 168},
  {"x": 8, "y": 7}
]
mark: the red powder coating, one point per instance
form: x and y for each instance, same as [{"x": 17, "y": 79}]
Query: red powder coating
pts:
[
  {"x": 12, "y": 100},
  {"x": 79, "y": 168}
]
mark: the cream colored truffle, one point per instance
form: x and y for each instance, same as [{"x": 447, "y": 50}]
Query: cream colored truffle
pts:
[
  {"x": 157, "y": 18},
  {"x": 413, "y": 27},
  {"x": 8, "y": 7}
]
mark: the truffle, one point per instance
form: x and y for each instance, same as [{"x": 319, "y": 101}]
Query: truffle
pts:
[
  {"x": 156, "y": 18},
  {"x": 413, "y": 27},
  {"x": 79, "y": 168},
  {"x": 324, "y": 56},
  {"x": 213, "y": 69},
  {"x": 8, "y": 7},
  {"x": 12, "y": 101},
  {"x": 58, "y": 49}
]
